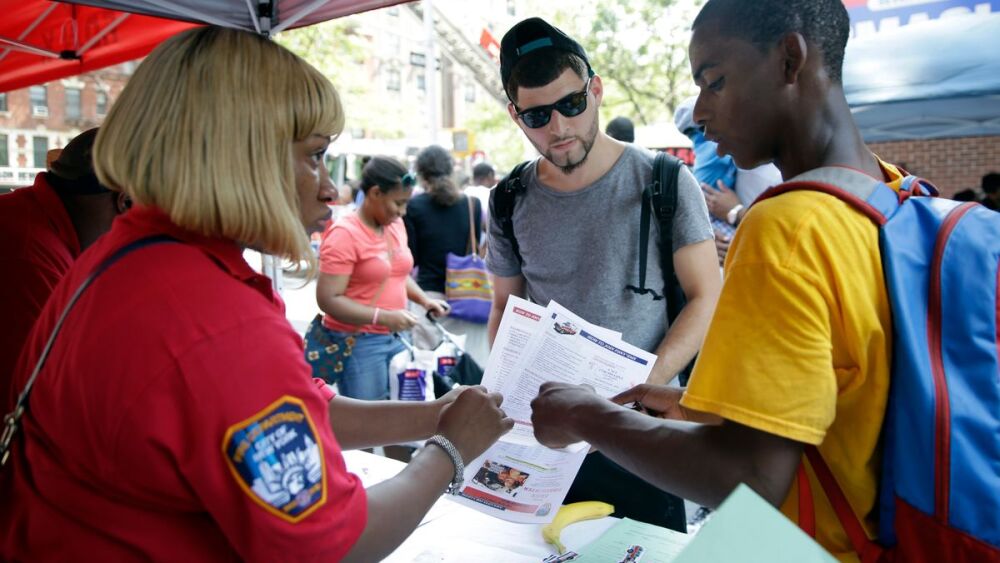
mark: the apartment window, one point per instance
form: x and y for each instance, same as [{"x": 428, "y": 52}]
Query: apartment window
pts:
[
  {"x": 4, "y": 151},
  {"x": 511, "y": 8},
  {"x": 40, "y": 146},
  {"x": 3, "y": 101},
  {"x": 73, "y": 103},
  {"x": 392, "y": 80},
  {"x": 102, "y": 103},
  {"x": 470, "y": 92},
  {"x": 421, "y": 82},
  {"x": 39, "y": 101}
]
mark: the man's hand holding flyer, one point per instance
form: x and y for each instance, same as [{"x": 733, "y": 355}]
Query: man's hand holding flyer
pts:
[{"x": 518, "y": 479}]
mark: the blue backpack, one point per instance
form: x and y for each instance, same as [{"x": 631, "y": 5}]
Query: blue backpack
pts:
[{"x": 939, "y": 493}]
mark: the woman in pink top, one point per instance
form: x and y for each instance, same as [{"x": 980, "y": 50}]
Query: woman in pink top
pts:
[{"x": 364, "y": 280}]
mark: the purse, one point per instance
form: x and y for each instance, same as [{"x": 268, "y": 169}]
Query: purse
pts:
[
  {"x": 466, "y": 283},
  {"x": 327, "y": 352}
]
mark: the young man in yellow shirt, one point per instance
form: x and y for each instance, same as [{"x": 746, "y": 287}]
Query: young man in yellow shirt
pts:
[{"x": 798, "y": 352}]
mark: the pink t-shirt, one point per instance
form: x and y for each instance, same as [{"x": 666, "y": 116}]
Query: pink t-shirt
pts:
[{"x": 351, "y": 248}]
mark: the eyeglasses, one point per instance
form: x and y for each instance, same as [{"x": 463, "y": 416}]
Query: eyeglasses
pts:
[{"x": 570, "y": 106}]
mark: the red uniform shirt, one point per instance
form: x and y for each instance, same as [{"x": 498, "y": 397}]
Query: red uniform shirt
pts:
[
  {"x": 175, "y": 419},
  {"x": 38, "y": 244}
]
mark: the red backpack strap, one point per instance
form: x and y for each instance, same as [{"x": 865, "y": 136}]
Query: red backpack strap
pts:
[
  {"x": 807, "y": 509},
  {"x": 867, "y": 550}
]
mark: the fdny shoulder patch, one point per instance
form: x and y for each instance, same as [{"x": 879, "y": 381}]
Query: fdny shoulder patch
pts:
[{"x": 277, "y": 459}]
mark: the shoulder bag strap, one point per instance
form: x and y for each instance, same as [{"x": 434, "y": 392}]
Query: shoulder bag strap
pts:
[
  {"x": 12, "y": 419},
  {"x": 473, "y": 242}
]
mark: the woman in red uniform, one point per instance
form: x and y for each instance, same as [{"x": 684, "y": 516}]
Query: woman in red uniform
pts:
[{"x": 175, "y": 418}]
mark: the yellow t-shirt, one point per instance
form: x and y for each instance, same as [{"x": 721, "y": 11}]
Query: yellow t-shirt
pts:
[{"x": 800, "y": 344}]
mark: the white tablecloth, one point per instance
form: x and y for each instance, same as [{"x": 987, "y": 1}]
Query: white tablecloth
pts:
[{"x": 454, "y": 533}]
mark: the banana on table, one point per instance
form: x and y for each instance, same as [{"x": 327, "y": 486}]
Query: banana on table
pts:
[{"x": 575, "y": 512}]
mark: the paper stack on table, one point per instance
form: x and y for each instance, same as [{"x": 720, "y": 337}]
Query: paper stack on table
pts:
[{"x": 518, "y": 479}]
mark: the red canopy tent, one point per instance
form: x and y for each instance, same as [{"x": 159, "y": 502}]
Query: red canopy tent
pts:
[{"x": 41, "y": 40}]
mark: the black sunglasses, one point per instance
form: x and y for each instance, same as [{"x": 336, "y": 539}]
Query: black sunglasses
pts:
[{"x": 570, "y": 106}]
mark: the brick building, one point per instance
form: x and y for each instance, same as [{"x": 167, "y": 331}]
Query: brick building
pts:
[
  {"x": 950, "y": 164},
  {"x": 36, "y": 119}
]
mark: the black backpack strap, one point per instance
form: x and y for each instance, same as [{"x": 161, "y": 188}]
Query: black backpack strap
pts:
[
  {"x": 644, "y": 223},
  {"x": 663, "y": 193},
  {"x": 504, "y": 199},
  {"x": 13, "y": 418},
  {"x": 660, "y": 197}
]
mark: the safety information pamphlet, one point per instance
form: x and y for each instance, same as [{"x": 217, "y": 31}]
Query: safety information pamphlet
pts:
[{"x": 518, "y": 479}]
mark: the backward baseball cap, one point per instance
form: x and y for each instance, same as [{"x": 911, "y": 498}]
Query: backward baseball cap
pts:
[{"x": 530, "y": 35}]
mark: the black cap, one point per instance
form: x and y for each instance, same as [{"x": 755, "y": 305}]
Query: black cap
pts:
[
  {"x": 530, "y": 35},
  {"x": 73, "y": 170}
]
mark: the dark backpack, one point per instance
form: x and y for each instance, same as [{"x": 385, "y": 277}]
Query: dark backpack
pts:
[{"x": 660, "y": 197}]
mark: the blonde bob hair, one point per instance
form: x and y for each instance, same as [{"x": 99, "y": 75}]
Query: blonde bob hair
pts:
[{"x": 204, "y": 132}]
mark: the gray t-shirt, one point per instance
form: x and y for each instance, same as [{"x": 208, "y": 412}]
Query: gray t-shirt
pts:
[{"x": 582, "y": 248}]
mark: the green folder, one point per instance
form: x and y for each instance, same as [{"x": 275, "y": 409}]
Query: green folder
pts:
[{"x": 746, "y": 529}]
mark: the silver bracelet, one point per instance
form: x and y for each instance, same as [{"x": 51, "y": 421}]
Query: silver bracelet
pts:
[{"x": 456, "y": 459}]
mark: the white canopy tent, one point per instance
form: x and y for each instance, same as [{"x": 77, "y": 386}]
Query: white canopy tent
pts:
[{"x": 928, "y": 80}]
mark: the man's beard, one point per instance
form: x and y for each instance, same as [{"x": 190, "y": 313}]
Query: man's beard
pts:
[{"x": 587, "y": 142}]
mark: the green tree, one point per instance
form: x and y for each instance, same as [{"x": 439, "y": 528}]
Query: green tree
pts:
[
  {"x": 340, "y": 50},
  {"x": 498, "y": 136},
  {"x": 639, "y": 47}
]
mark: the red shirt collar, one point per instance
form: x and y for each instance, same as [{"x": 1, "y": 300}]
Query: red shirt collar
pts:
[{"x": 144, "y": 221}]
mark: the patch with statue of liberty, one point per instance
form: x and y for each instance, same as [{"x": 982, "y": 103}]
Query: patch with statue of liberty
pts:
[{"x": 277, "y": 459}]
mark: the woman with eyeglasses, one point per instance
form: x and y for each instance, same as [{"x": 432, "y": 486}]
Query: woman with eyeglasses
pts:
[
  {"x": 365, "y": 282},
  {"x": 174, "y": 417}
]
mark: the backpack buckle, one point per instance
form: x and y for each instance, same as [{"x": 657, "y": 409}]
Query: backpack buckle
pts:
[{"x": 9, "y": 430}]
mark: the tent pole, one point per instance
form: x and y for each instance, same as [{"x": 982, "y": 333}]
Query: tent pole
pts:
[
  {"x": 100, "y": 35},
  {"x": 32, "y": 27},
  {"x": 294, "y": 18},
  {"x": 430, "y": 72},
  {"x": 187, "y": 13},
  {"x": 18, "y": 46},
  {"x": 75, "y": 25},
  {"x": 253, "y": 16}
]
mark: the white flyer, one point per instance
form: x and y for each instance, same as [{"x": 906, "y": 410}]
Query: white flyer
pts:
[
  {"x": 520, "y": 483},
  {"x": 521, "y": 319},
  {"x": 518, "y": 479},
  {"x": 566, "y": 348}
]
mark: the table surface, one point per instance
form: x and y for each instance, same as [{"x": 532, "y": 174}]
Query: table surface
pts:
[{"x": 456, "y": 533}]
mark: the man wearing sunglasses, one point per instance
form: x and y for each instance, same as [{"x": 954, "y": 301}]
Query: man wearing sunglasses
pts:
[{"x": 576, "y": 225}]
